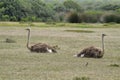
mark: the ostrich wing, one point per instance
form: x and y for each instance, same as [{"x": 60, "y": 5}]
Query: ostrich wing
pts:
[
  {"x": 91, "y": 52},
  {"x": 42, "y": 47}
]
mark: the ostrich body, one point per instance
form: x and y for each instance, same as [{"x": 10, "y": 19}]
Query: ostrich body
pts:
[
  {"x": 93, "y": 52},
  {"x": 40, "y": 47}
]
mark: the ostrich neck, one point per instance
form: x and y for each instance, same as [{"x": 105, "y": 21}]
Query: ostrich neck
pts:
[
  {"x": 28, "y": 39},
  {"x": 103, "y": 44}
]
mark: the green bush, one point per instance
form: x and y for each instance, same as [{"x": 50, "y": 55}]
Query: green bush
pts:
[
  {"x": 108, "y": 18},
  {"x": 5, "y": 17},
  {"x": 13, "y": 18},
  {"x": 73, "y": 17},
  {"x": 91, "y": 16}
]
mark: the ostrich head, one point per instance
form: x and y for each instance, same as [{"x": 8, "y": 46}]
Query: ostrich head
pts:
[
  {"x": 28, "y": 29},
  {"x": 104, "y": 35}
]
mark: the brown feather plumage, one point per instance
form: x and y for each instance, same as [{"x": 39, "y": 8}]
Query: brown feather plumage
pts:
[
  {"x": 42, "y": 48},
  {"x": 91, "y": 52}
]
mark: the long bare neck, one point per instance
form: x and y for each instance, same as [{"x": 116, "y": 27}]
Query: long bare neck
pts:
[
  {"x": 103, "y": 44},
  {"x": 28, "y": 39}
]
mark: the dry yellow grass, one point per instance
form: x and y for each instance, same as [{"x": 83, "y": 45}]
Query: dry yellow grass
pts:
[{"x": 17, "y": 63}]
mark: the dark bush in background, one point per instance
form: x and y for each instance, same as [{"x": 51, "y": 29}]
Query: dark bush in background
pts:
[
  {"x": 91, "y": 16},
  {"x": 107, "y": 18},
  {"x": 73, "y": 17}
]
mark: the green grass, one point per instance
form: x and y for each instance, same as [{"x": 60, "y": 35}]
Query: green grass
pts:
[
  {"x": 18, "y": 63},
  {"x": 54, "y": 24},
  {"x": 81, "y": 31}
]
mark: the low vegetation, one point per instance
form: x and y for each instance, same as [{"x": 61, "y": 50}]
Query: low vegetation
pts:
[
  {"x": 55, "y": 24},
  {"x": 81, "y": 31},
  {"x": 114, "y": 65},
  {"x": 17, "y": 62},
  {"x": 81, "y": 78}
]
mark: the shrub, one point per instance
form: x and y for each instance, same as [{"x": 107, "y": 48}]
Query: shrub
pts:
[
  {"x": 114, "y": 65},
  {"x": 88, "y": 18},
  {"x": 73, "y": 17},
  {"x": 108, "y": 18},
  {"x": 13, "y": 18},
  {"x": 91, "y": 16},
  {"x": 5, "y": 17}
]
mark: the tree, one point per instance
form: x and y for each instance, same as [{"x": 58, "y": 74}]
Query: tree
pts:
[
  {"x": 13, "y": 9},
  {"x": 110, "y": 7},
  {"x": 72, "y": 6},
  {"x": 41, "y": 10}
]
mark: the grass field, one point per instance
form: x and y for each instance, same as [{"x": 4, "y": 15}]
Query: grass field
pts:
[{"x": 18, "y": 63}]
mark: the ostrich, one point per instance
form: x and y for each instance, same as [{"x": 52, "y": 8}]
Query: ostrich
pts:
[
  {"x": 40, "y": 47},
  {"x": 93, "y": 52}
]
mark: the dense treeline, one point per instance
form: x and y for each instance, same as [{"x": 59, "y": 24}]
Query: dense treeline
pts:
[{"x": 74, "y": 11}]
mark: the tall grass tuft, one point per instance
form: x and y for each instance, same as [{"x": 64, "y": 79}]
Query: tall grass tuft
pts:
[
  {"x": 114, "y": 65},
  {"x": 81, "y": 78},
  {"x": 81, "y": 31}
]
